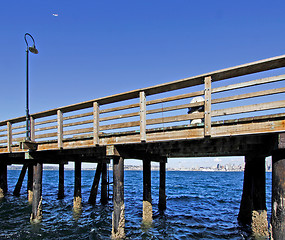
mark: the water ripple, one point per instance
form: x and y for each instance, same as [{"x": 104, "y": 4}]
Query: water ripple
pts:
[{"x": 199, "y": 206}]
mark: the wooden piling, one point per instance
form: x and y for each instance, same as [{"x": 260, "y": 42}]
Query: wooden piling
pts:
[
  {"x": 147, "y": 201},
  {"x": 253, "y": 210},
  {"x": 94, "y": 188},
  {"x": 104, "y": 185},
  {"x": 60, "y": 194},
  {"x": 20, "y": 181},
  {"x": 118, "y": 217},
  {"x": 36, "y": 215},
  {"x": 3, "y": 180},
  {"x": 30, "y": 183},
  {"x": 162, "y": 196},
  {"x": 77, "y": 187},
  {"x": 278, "y": 195}
]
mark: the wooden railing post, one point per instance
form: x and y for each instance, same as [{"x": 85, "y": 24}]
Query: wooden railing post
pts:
[
  {"x": 207, "y": 95},
  {"x": 96, "y": 123},
  {"x": 59, "y": 129},
  {"x": 9, "y": 137},
  {"x": 142, "y": 116},
  {"x": 32, "y": 126}
]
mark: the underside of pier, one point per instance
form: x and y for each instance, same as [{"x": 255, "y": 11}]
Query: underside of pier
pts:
[{"x": 255, "y": 148}]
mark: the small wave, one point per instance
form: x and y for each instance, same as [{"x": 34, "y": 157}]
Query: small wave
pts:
[{"x": 183, "y": 197}]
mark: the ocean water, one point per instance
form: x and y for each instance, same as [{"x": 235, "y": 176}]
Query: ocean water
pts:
[{"x": 200, "y": 205}]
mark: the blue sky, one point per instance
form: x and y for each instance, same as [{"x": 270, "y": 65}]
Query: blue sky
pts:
[{"x": 103, "y": 47}]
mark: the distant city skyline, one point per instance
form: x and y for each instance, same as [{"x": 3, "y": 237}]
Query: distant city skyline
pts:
[{"x": 182, "y": 162}]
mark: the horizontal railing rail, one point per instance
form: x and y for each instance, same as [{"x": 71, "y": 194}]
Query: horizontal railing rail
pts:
[{"x": 159, "y": 107}]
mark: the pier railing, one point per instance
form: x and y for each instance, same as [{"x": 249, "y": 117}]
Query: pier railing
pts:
[{"x": 248, "y": 92}]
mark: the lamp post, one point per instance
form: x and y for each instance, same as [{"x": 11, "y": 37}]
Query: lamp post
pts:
[{"x": 35, "y": 51}]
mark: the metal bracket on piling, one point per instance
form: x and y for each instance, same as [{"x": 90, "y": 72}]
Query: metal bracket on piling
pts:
[{"x": 28, "y": 145}]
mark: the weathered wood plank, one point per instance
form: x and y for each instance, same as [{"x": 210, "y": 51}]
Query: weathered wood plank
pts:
[
  {"x": 176, "y": 135},
  {"x": 271, "y": 117},
  {"x": 3, "y": 130},
  {"x": 46, "y": 135},
  {"x": 48, "y": 146},
  {"x": 78, "y": 131},
  {"x": 83, "y": 143},
  {"x": 77, "y": 123},
  {"x": 120, "y": 125},
  {"x": 46, "y": 128},
  {"x": 78, "y": 116},
  {"x": 9, "y": 137},
  {"x": 177, "y": 118},
  {"x": 174, "y": 98},
  {"x": 249, "y": 128},
  {"x": 32, "y": 125},
  {"x": 248, "y": 95},
  {"x": 127, "y": 115},
  {"x": 124, "y": 107},
  {"x": 249, "y": 108},
  {"x": 45, "y": 122},
  {"x": 18, "y": 133},
  {"x": 59, "y": 129},
  {"x": 102, "y": 119},
  {"x": 18, "y": 127},
  {"x": 208, "y": 90},
  {"x": 96, "y": 125},
  {"x": 249, "y": 83},
  {"x": 142, "y": 116},
  {"x": 19, "y": 139},
  {"x": 120, "y": 139}
]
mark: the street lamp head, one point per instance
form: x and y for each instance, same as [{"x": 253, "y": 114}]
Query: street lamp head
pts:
[{"x": 32, "y": 49}]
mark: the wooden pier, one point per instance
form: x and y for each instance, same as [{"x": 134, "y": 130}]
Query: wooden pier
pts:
[{"x": 242, "y": 115}]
